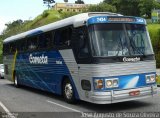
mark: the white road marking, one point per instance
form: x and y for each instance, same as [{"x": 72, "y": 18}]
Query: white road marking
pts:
[
  {"x": 10, "y": 115},
  {"x": 64, "y": 106}
]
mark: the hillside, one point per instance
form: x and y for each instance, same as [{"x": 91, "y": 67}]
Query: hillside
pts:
[{"x": 46, "y": 17}]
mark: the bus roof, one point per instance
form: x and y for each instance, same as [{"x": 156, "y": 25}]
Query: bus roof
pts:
[{"x": 76, "y": 21}]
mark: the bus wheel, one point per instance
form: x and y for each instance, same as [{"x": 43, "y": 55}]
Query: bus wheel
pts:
[
  {"x": 68, "y": 91},
  {"x": 16, "y": 84}
]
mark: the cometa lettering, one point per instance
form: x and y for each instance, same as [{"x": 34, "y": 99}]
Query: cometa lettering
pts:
[
  {"x": 125, "y": 59},
  {"x": 38, "y": 59}
]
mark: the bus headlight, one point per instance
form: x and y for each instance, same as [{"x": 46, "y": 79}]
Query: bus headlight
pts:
[
  {"x": 115, "y": 83},
  {"x": 153, "y": 78},
  {"x": 112, "y": 83},
  {"x": 150, "y": 78},
  {"x": 147, "y": 79},
  {"x": 109, "y": 83},
  {"x": 98, "y": 83}
]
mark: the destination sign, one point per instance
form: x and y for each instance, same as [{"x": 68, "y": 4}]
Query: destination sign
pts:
[{"x": 117, "y": 19}]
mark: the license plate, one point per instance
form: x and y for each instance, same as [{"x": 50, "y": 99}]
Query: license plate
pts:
[{"x": 134, "y": 93}]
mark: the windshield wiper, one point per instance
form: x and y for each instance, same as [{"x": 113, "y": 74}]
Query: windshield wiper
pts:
[
  {"x": 134, "y": 47},
  {"x": 120, "y": 44}
]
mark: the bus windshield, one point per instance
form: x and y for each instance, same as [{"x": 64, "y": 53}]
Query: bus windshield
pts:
[{"x": 119, "y": 39}]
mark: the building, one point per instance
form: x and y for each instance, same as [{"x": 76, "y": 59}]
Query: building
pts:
[
  {"x": 70, "y": 7},
  {"x": 155, "y": 15}
]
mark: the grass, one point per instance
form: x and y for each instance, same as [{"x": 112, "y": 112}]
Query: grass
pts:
[
  {"x": 45, "y": 18},
  {"x": 158, "y": 80},
  {"x": 154, "y": 31}
]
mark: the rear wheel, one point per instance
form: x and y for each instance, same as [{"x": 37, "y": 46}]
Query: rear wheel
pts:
[{"x": 68, "y": 91}]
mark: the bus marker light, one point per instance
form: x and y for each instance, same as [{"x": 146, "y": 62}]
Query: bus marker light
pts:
[{"x": 99, "y": 84}]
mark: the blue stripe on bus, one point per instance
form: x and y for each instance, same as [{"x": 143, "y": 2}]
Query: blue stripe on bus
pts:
[
  {"x": 127, "y": 81},
  {"x": 46, "y": 77}
]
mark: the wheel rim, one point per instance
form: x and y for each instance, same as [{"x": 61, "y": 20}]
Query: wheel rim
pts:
[
  {"x": 68, "y": 91},
  {"x": 15, "y": 81}
]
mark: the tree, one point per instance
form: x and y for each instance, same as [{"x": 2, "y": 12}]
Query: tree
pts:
[
  {"x": 79, "y": 2},
  {"x": 108, "y": 1},
  {"x": 13, "y": 28},
  {"x": 156, "y": 5},
  {"x": 126, "y": 7},
  {"x": 146, "y": 7},
  {"x": 48, "y": 2},
  {"x": 134, "y": 7},
  {"x": 14, "y": 24},
  {"x": 102, "y": 7}
]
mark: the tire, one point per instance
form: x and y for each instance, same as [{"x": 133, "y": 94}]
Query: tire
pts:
[
  {"x": 68, "y": 92},
  {"x": 16, "y": 83}
]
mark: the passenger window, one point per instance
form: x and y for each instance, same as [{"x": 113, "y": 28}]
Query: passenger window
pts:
[
  {"x": 12, "y": 47},
  {"x": 63, "y": 37},
  {"x": 21, "y": 45},
  {"x": 82, "y": 41},
  {"x": 44, "y": 40},
  {"x": 5, "y": 48},
  {"x": 32, "y": 43}
]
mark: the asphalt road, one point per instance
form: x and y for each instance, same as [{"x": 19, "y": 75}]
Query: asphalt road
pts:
[{"x": 32, "y": 101}]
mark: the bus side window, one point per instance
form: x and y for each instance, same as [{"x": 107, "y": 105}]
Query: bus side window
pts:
[
  {"x": 80, "y": 43},
  {"x": 57, "y": 37},
  {"x": 21, "y": 45},
  {"x": 67, "y": 36},
  {"x": 5, "y": 49},
  {"x": 44, "y": 40},
  {"x": 63, "y": 37},
  {"x": 83, "y": 48},
  {"x": 32, "y": 43},
  {"x": 12, "y": 47}
]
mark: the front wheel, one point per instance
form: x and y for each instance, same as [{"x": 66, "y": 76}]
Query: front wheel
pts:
[{"x": 68, "y": 91}]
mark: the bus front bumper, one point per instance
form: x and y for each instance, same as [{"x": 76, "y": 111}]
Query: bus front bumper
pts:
[{"x": 115, "y": 96}]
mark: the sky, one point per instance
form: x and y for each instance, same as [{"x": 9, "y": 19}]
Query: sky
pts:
[{"x": 11, "y": 10}]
